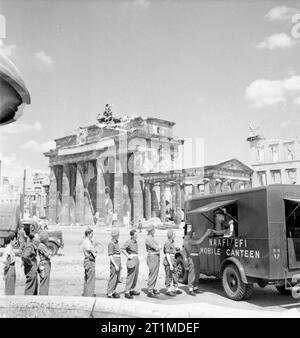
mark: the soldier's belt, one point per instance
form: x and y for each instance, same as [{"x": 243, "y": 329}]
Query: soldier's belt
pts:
[
  {"x": 194, "y": 254},
  {"x": 153, "y": 253},
  {"x": 117, "y": 255}
]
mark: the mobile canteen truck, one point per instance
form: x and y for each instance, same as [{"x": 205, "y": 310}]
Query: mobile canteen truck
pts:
[{"x": 265, "y": 246}]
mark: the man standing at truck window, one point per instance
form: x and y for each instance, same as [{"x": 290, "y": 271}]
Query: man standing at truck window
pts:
[
  {"x": 8, "y": 259},
  {"x": 89, "y": 252},
  {"x": 170, "y": 265},
  {"x": 190, "y": 246},
  {"x": 152, "y": 248},
  {"x": 229, "y": 229},
  {"x": 44, "y": 264},
  {"x": 130, "y": 250},
  {"x": 30, "y": 266}
]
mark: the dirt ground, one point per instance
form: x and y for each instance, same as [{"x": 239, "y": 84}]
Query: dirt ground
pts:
[{"x": 67, "y": 275}]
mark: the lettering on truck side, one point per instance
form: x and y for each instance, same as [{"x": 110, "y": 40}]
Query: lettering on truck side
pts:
[{"x": 234, "y": 247}]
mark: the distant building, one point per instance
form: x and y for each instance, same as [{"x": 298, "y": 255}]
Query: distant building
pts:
[
  {"x": 274, "y": 160},
  {"x": 9, "y": 193},
  {"x": 35, "y": 203},
  {"x": 123, "y": 170}
]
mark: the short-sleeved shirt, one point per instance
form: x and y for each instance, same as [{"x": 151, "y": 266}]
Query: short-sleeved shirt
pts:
[
  {"x": 151, "y": 244},
  {"x": 113, "y": 248},
  {"x": 8, "y": 255},
  {"x": 44, "y": 252},
  {"x": 169, "y": 247},
  {"x": 88, "y": 248},
  {"x": 229, "y": 231},
  {"x": 131, "y": 246}
]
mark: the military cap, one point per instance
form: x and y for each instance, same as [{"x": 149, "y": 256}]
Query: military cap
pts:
[
  {"x": 150, "y": 227},
  {"x": 115, "y": 232},
  {"x": 11, "y": 235},
  {"x": 88, "y": 230},
  {"x": 132, "y": 232}
]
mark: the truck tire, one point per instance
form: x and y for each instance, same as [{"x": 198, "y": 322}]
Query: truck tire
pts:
[
  {"x": 53, "y": 247},
  {"x": 182, "y": 272},
  {"x": 233, "y": 285},
  {"x": 282, "y": 290}
]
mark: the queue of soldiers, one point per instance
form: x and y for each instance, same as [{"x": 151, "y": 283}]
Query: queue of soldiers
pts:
[
  {"x": 36, "y": 261},
  {"x": 130, "y": 250},
  {"x": 37, "y": 273}
]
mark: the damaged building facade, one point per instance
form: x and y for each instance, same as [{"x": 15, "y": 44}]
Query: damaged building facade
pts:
[{"x": 122, "y": 170}]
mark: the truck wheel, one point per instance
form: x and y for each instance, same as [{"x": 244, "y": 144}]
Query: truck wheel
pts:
[
  {"x": 233, "y": 285},
  {"x": 52, "y": 247},
  {"x": 182, "y": 272},
  {"x": 282, "y": 290}
]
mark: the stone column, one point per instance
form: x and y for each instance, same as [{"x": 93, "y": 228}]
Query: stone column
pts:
[
  {"x": 207, "y": 188},
  {"x": 147, "y": 191},
  {"x": 119, "y": 193},
  {"x": 177, "y": 207},
  {"x": 173, "y": 197},
  {"x": 52, "y": 197},
  {"x": 137, "y": 199},
  {"x": 65, "y": 212},
  {"x": 195, "y": 190},
  {"x": 72, "y": 202},
  {"x": 154, "y": 202},
  {"x": 182, "y": 195},
  {"x": 88, "y": 173},
  {"x": 138, "y": 212},
  {"x": 79, "y": 214},
  {"x": 163, "y": 201},
  {"x": 100, "y": 189}
]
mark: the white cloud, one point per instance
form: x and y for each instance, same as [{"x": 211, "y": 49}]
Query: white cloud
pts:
[
  {"x": 287, "y": 123},
  {"x": 281, "y": 13},
  {"x": 297, "y": 101},
  {"x": 264, "y": 92},
  {"x": 142, "y": 3},
  {"x": 277, "y": 41},
  {"x": 201, "y": 100},
  {"x": 44, "y": 58},
  {"x": 38, "y": 147},
  {"x": 8, "y": 50},
  {"x": 18, "y": 128}
]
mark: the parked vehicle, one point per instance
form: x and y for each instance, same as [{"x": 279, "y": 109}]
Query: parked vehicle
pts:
[
  {"x": 264, "y": 247},
  {"x": 9, "y": 220},
  {"x": 55, "y": 241}
]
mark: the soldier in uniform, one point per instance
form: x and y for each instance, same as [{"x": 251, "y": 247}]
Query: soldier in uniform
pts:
[
  {"x": 89, "y": 252},
  {"x": 190, "y": 246},
  {"x": 130, "y": 250},
  {"x": 153, "y": 258},
  {"x": 44, "y": 264},
  {"x": 115, "y": 264},
  {"x": 170, "y": 265},
  {"x": 8, "y": 259},
  {"x": 29, "y": 256}
]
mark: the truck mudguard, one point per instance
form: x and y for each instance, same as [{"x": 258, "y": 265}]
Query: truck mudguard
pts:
[{"x": 238, "y": 264}]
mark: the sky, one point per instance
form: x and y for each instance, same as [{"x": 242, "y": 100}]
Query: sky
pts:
[{"x": 214, "y": 67}]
